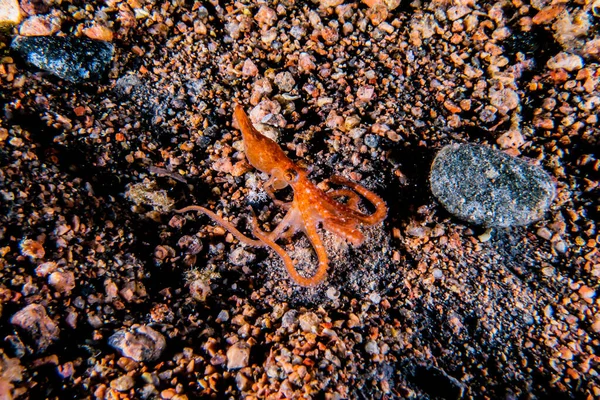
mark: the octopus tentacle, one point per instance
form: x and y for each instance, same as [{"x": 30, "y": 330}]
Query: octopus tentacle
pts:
[
  {"x": 380, "y": 207},
  {"x": 353, "y": 198},
  {"x": 287, "y": 260},
  {"x": 344, "y": 228},
  {"x": 227, "y": 225},
  {"x": 310, "y": 228},
  {"x": 286, "y": 227}
]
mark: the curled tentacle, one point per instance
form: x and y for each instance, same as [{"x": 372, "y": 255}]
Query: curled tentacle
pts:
[
  {"x": 287, "y": 260},
  {"x": 353, "y": 198},
  {"x": 380, "y": 207}
]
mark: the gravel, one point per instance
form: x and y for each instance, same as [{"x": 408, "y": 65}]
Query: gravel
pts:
[{"x": 105, "y": 292}]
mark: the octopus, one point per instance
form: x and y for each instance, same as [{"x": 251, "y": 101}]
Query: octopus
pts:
[{"x": 309, "y": 207}]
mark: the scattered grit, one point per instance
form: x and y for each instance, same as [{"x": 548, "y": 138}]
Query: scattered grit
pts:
[{"x": 105, "y": 293}]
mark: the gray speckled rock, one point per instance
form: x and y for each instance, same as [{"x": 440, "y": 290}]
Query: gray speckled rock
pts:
[
  {"x": 490, "y": 188},
  {"x": 71, "y": 58}
]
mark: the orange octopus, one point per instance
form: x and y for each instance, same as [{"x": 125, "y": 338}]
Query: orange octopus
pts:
[{"x": 310, "y": 205}]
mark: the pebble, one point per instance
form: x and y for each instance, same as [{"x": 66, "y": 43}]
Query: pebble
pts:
[
  {"x": 309, "y": 322},
  {"x": 142, "y": 343},
  {"x": 289, "y": 319},
  {"x": 457, "y": 12},
  {"x": 513, "y": 139},
  {"x": 122, "y": 383},
  {"x": 587, "y": 293},
  {"x": 365, "y": 93},
  {"x": 267, "y": 112},
  {"x": 569, "y": 62},
  {"x": 238, "y": 356},
  {"x": 333, "y": 293},
  {"x": 560, "y": 246},
  {"x": 34, "y": 319},
  {"x": 63, "y": 282},
  {"x": 371, "y": 347},
  {"x": 284, "y": 81},
  {"x": 504, "y": 100},
  {"x": 372, "y": 141},
  {"x": 99, "y": 32},
  {"x": 240, "y": 257},
  {"x": 501, "y": 190},
  {"x": 306, "y": 63},
  {"x": 39, "y": 25},
  {"x": 544, "y": 233},
  {"x": 10, "y": 13},
  {"x": 375, "y": 298},
  {"x": 71, "y": 58},
  {"x": 32, "y": 248},
  {"x": 249, "y": 68}
]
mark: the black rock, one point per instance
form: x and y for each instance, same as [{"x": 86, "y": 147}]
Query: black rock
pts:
[
  {"x": 71, "y": 58},
  {"x": 488, "y": 187}
]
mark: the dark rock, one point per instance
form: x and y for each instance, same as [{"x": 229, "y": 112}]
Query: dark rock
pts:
[
  {"x": 71, "y": 58},
  {"x": 487, "y": 187}
]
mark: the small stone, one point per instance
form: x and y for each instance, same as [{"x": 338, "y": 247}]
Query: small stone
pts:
[
  {"x": 289, "y": 319},
  {"x": 33, "y": 7},
  {"x": 267, "y": 112},
  {"x": 34, "y": 319},
  {"x": 238, "y": 356},
  {"x": 240, "y": 257},
  {"x": 200, "y": 289},
  {"x": 544, "y": 233},
  {"x": 249, "y": 68},
  {"x": 99, "y": 32},
  {"x": 70, "y": 58},
  {"x": 242, "y": 381},
  {"x": 333, "y": 293},
  {"x": 560, "y": 246},
  {"x": 63, "y": 282},
  {"x": 40, "y": 25},
  {"x": 141, "y": 344},
  {"x": 10, "y": 13},
  {"x": 122, "y": 383},
  {"x": 438, "y": 273},
  {"x": 372, "y": 141},
  {"x": 504, "y": 100},
  {"x": 265, "y": 16},
  {"x": 566, "y": 353},
  {"x": 32, "y": 248},
  {"x": 46, "y": 268},
  {"x": 485, "y": 236},
  {"x": 569, "y": 62},
  {"x": 309, "y": 322},
  {"x": 501, "y": 190},
  {"x": 512, "y": 139},
  {"x": 305, "y": 62},
  {"x": 457, "y": 12},
  {"x": 586, "y": 292},
  {"x": 284, "y": 81},
  {"x": 375, "y": 298},
  {"x": 223, "y": 316},
  {"x": 371, "y": 347},
  {"x": 365, "y": 93}
]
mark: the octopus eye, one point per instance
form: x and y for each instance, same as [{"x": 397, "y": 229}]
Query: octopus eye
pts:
[{"x": 290, "y": 175}]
